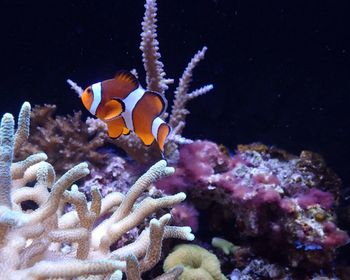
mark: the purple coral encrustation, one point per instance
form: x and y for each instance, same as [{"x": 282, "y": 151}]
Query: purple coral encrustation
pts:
[
  {"x": 117, "y": 175},
  {"x": 185, "y": 214},
  {"x": 284, "y": 199}
]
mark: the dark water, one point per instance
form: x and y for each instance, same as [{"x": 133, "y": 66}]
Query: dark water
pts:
[{"x": 281, "y": 70}]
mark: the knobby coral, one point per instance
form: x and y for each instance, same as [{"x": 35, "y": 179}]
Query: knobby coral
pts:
[
  {"x": 156, "y": 81},
  {"x": 43, "y": 241}
]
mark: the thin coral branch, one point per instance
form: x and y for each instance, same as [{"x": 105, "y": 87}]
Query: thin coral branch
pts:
[
  {"x": 109, "y": 202},
  {"x": 79, "y": 201},
  {"x": 156, "y": 172},
  {"x": 6, "y": 153},
  {"x": 79, "y": 235},
  {"x": 7, "y": 216},
  {"x": 73, "y": 268},
  {"x": 199, "y": 92},
  {"x": 156, "y": 234},
  {"x": 45, "y": 175},
  {"x": 18, "y": 168},
  {"x": 132, "y": 268},
  {"x": 32, "y": 251},
  {"x": 22, "y": 132},
  {"x": 75, "y": 87},
  {"x": 150, "y": 50},
  {"x": 123, "y": 220},
  {"x": 178, "y": 112},
  {"x": 144, "y": 209},
  {"x": 51, "y": 206},
  {"x": 140, "y": 245}
]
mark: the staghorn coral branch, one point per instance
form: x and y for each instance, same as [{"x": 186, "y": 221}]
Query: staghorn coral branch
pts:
[
  {"x": 45, "y": 175},
  {"x": 73, "y": 268},
  {"x": 33, "y": 251},
  {"x": 18, "y": 168},
  {"x": 199, "y": 92},
  {"x": 156, "y": 234},
  {"x": 28, "y": 193},
  {"x": 79, "y": 201},
  {"x": 75, "y": 87},
  {"x": 6, "y": 154},
  {"x": 140, "y": 245},
  {"x": 79, "y": 235},
  {"x": 183, "y": 233},
  {"x": 178, "y": 111},
  {"x": 7, "y": 216},
  {"x": 22, "y": 132},
  {"x": 132, "y": 268},
  {"x": 144, "y": 209},
  {"x": 30, "y": 232},
  {"x": 156, "y": 172},
  {"x": 51, "y": 206},
  {"x": 112, "y": 200},
  {"x": 150, "y": 50},
  {"x": 96, "y": 202}
]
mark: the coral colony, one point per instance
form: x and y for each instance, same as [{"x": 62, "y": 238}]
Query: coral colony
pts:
[
  {"x": 71, "y": 208},
  {"x": 50, "y": 243}
]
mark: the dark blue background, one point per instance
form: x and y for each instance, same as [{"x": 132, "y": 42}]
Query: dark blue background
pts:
[{"x": 281, "y": 69}]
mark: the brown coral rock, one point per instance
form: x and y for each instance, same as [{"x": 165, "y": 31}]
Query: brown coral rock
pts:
[{"x": 60, "y": 136}]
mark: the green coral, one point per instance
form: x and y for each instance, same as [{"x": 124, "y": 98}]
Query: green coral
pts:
[{"x": 199, "y": 264}]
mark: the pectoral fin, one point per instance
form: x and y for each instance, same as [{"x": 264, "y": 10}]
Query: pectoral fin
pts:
[{"x": 113, "y": 109}]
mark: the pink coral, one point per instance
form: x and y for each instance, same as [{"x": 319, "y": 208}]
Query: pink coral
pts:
[
  {"x": 335, "y": 237},
  {"x": 197, "y": 162},
  {"x": 267, "y": 194},
  {"x": 185, "y": 214},
  {"x": 316, "y": 196}
]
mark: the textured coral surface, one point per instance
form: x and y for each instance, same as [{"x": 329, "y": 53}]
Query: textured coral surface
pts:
[
  {"x": 62, "y": 137},
  {"x": 39, "y": 240},
  {"x": 278, "y": 204}
]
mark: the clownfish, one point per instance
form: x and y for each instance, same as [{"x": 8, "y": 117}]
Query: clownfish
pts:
[{"x": 125, "y": 106}]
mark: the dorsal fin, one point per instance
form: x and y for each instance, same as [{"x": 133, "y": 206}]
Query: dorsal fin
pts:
[{"x": 124, "y": 76}]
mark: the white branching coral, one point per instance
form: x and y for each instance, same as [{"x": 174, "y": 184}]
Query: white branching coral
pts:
[{"x": 45, "y": 242}]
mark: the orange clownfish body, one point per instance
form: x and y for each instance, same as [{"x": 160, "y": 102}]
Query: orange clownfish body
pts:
[{"x": 125, "y": 106}]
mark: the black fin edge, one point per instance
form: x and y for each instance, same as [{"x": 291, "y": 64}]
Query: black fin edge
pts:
[
  {"x": 163, "y": 100},
  {"x": 121, "y": 102}
]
